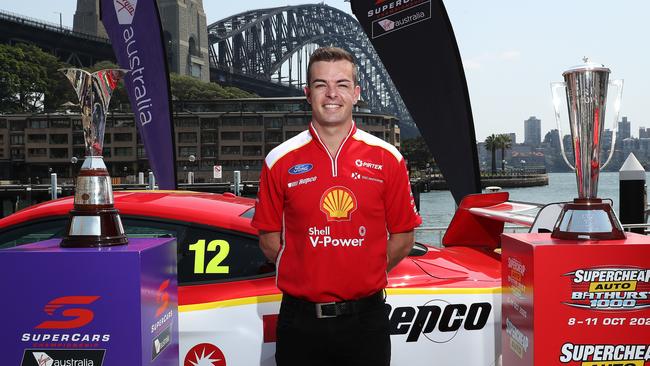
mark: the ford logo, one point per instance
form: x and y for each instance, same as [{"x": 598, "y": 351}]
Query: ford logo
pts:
[{"x": 300, "y": 168}]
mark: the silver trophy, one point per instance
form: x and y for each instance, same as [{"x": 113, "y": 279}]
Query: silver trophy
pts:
[
  {"x": 588, "y": 217},
  {"x": 94, "y": 221}
]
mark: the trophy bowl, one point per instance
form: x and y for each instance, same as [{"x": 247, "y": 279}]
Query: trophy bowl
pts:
[
  {"x": 94, "y": 221},
  {"x": 587, "y": 217}
]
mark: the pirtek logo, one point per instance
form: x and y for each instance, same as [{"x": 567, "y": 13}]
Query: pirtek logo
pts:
[
  {"x": 78, "y": 316},
  {"x": 125, "y": 10},
  {"x": 338, "y": 203}
]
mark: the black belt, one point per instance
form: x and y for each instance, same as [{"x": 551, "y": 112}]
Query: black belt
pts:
[{"x": 334, "y": 309}]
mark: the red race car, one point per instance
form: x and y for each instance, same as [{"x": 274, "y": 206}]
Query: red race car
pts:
[{"x": 445, "y": 303}]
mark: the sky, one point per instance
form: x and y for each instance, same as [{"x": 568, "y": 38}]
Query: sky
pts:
[{"x": 511, "y": 50}]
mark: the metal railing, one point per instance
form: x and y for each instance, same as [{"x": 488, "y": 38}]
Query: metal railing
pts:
[{"x": 37, "y": 23}]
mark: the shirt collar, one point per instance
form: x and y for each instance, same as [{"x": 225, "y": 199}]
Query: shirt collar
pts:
[{"x": 315, "y": 136}]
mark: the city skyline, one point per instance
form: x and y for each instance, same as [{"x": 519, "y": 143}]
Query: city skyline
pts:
[{"x": 511, "y": 51}]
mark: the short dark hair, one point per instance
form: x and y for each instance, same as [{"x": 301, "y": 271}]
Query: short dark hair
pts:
[{"x": 331, "y": 54}]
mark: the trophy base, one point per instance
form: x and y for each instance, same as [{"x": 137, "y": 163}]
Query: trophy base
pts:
[
  {"x": 588, "y": 219},
  {"x": 101, "y": 227}
]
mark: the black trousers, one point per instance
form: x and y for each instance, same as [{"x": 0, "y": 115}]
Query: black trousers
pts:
[{"x": 358, "y": 339}]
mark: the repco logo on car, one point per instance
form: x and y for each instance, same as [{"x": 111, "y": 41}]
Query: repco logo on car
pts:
[
  {"x": 438, "y": 320},
  {"x": 77, "y": 316}
]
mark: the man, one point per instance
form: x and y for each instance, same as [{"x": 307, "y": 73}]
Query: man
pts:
[{"x": 328, "y": 199}]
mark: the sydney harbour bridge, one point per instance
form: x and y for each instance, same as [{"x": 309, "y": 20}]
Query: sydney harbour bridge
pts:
[{"x": 265, "y": 50}]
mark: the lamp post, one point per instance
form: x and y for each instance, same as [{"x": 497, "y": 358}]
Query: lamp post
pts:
[{"x": 60, "y": 19}]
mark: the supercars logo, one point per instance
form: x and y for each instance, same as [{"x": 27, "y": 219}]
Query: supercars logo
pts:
[
  {"x": 77, "y": 316},
  {"x": 162, "y": 298},
  {"x": 338, "y": 203},
  {"x": 125, "y": 10},
  {"x": 610, "y": 288}
]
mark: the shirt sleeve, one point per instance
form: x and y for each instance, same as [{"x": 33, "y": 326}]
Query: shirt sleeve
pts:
[
  {"x": 401, "y": 213},
  {"x": 270, "y": 202}
]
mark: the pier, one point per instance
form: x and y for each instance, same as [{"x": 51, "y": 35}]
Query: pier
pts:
[{"x": 436, "y": 182}]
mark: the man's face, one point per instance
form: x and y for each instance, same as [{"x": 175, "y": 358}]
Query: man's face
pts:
[{"x": 332, "y": 92}]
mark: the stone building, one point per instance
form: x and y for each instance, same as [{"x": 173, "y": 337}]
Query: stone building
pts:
[
  {"x": 235, "y": 133},
  {"x": 185, "y": 33}
]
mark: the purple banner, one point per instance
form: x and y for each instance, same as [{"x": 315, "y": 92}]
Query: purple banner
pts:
[{"x": 136, "y": 34}]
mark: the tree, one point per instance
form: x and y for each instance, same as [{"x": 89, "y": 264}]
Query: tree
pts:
[
  {"x": 189, "y": 88},
  {"x": 503, "y": 142},
  {"x": 416, "y": 152},
  {"x": 491, "y": 144},
  {"x": 30, "y": 80}
]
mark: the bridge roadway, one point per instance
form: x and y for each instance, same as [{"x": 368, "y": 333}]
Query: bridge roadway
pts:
[{"x": 77, "y": 49}]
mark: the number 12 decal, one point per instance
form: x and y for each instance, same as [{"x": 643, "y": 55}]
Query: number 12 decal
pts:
[{"x": 213, "y": 266}]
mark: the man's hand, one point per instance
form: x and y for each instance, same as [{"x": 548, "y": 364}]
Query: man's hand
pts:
[
  {"x": 270, "y": 244},
  {"x": 399, "y": 246}
]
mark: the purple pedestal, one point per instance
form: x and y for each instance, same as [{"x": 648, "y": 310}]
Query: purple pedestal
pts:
[{"x": 112, "y": 306}]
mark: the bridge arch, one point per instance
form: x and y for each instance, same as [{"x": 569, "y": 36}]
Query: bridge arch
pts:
[{"x": 274, "y": 44}]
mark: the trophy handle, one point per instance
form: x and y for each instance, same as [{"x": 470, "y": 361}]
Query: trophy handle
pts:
[
  {"x": 556, "y": 105},
  {"x": 617, "y": 110}
]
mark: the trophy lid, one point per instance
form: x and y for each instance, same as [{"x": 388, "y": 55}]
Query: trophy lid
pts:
[{"x": 587, "y": 66}]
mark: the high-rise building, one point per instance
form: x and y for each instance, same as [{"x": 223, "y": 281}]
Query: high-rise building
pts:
[
  {"x": 532, "y": 131},
  {"x": 644, "y": 133},
  {"x": 623, "y": 129},
  {"x": 513, "y": 137},
  {"x": 552, "y": 138}
]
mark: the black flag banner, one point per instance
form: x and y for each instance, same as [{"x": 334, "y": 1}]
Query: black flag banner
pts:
[{"x": 416, "y": 43}]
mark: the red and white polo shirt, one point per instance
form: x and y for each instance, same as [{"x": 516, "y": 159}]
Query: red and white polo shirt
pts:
[{"x": 334, "y": 213}]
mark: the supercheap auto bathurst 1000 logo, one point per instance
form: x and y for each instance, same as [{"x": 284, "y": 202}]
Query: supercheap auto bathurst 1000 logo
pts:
[
  {"x": 605, "y": 354},
  {"x": 610, "y": 288}
]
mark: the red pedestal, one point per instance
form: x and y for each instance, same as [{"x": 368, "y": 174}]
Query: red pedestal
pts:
[{"x": 583, "y": 303}]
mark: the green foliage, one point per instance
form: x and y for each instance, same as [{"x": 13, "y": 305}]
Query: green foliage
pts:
[
  {"x": 30, "y": 80},
  {"x": 189, "y": 88},
  {"x": 416, "y": 152},
  {"x": 503, "y": 142},
  {"x": 492, "y": 144}
]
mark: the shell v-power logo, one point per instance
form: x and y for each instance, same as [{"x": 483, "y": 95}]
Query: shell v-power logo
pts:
[{"x": 338, "y": 203}]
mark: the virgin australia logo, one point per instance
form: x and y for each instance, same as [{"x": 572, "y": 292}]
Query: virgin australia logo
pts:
[
  {"x": 301, "y": 168},
  {"x": 125, "y": 10}
]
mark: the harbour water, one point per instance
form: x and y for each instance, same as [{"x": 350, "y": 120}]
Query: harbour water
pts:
[{"x": 437, "y": 207}]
